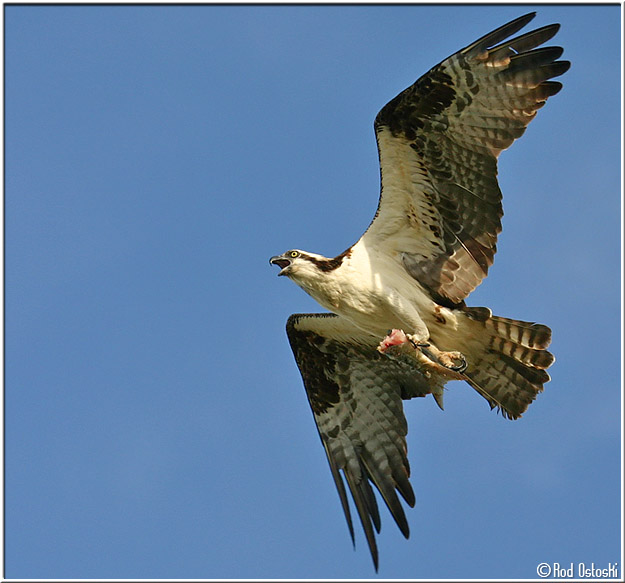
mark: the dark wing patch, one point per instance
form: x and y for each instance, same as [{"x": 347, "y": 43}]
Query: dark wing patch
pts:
[
  {"x": 356, "y": 394},
  {"x": 438, "y": 142}
]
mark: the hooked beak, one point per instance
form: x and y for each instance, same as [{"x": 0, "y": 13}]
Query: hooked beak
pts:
[{"x": 281, "y": 262}]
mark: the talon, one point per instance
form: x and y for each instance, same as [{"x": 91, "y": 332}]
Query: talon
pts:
[
  {"x": 453, "y": 361},
  {"x": 416, "y": 343},
  {"x": 462, "y": 366}
]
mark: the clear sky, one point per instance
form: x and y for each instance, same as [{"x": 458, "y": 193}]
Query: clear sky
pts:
[{"x": 156, "y": 423}]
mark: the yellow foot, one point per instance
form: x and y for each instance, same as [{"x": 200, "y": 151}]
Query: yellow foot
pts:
[{"x": 451, "y": 365}]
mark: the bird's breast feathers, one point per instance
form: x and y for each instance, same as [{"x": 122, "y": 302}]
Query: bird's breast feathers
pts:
[{"x": 372, "y": 290}]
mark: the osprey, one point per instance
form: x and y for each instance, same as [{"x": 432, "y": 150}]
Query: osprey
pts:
[{"x": 429, "y": 245}]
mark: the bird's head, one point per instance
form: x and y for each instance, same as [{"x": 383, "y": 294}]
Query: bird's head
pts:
[
  {"x": 289, "y": 262},
  {"x": 298, "y": 265}
]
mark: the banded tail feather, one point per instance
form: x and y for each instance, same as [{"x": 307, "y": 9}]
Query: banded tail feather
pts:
[{"x": 508, "y": 366}]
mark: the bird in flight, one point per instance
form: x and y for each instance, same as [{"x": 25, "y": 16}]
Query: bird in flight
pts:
[{"x": 398, "y": 326}]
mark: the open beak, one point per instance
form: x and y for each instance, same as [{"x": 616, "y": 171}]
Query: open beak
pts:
[{"x": 281, "y": 262}]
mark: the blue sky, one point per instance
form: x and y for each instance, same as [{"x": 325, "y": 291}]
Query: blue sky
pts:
[{"x": 156, "y": 424}]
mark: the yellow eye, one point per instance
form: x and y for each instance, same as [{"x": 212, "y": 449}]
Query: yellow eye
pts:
[{"x": 294, "y": 254}]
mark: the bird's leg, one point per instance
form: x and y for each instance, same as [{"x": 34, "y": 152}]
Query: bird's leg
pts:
[
  {"x": 449, "y": 364},
  {"x": 452, "y": 360}
]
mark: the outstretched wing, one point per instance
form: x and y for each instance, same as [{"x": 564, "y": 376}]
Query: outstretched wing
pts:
[
  {"x": 355, "y": 394},
  {"x": 438, "y": 141}
]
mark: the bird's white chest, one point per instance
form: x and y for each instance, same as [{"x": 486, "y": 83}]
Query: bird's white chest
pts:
[{"x": 375, "y": 295}]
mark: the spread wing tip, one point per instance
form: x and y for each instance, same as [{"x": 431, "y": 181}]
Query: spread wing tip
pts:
[
  {"x": 363, "y": 452},
  {"x": 500, "y": 34}
]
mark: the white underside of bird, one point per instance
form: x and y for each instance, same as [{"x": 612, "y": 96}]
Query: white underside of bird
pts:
[{"x": 376, "y": 294}]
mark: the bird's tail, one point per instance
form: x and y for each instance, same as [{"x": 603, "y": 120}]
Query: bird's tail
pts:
[{"x": 506, "y": 359}]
